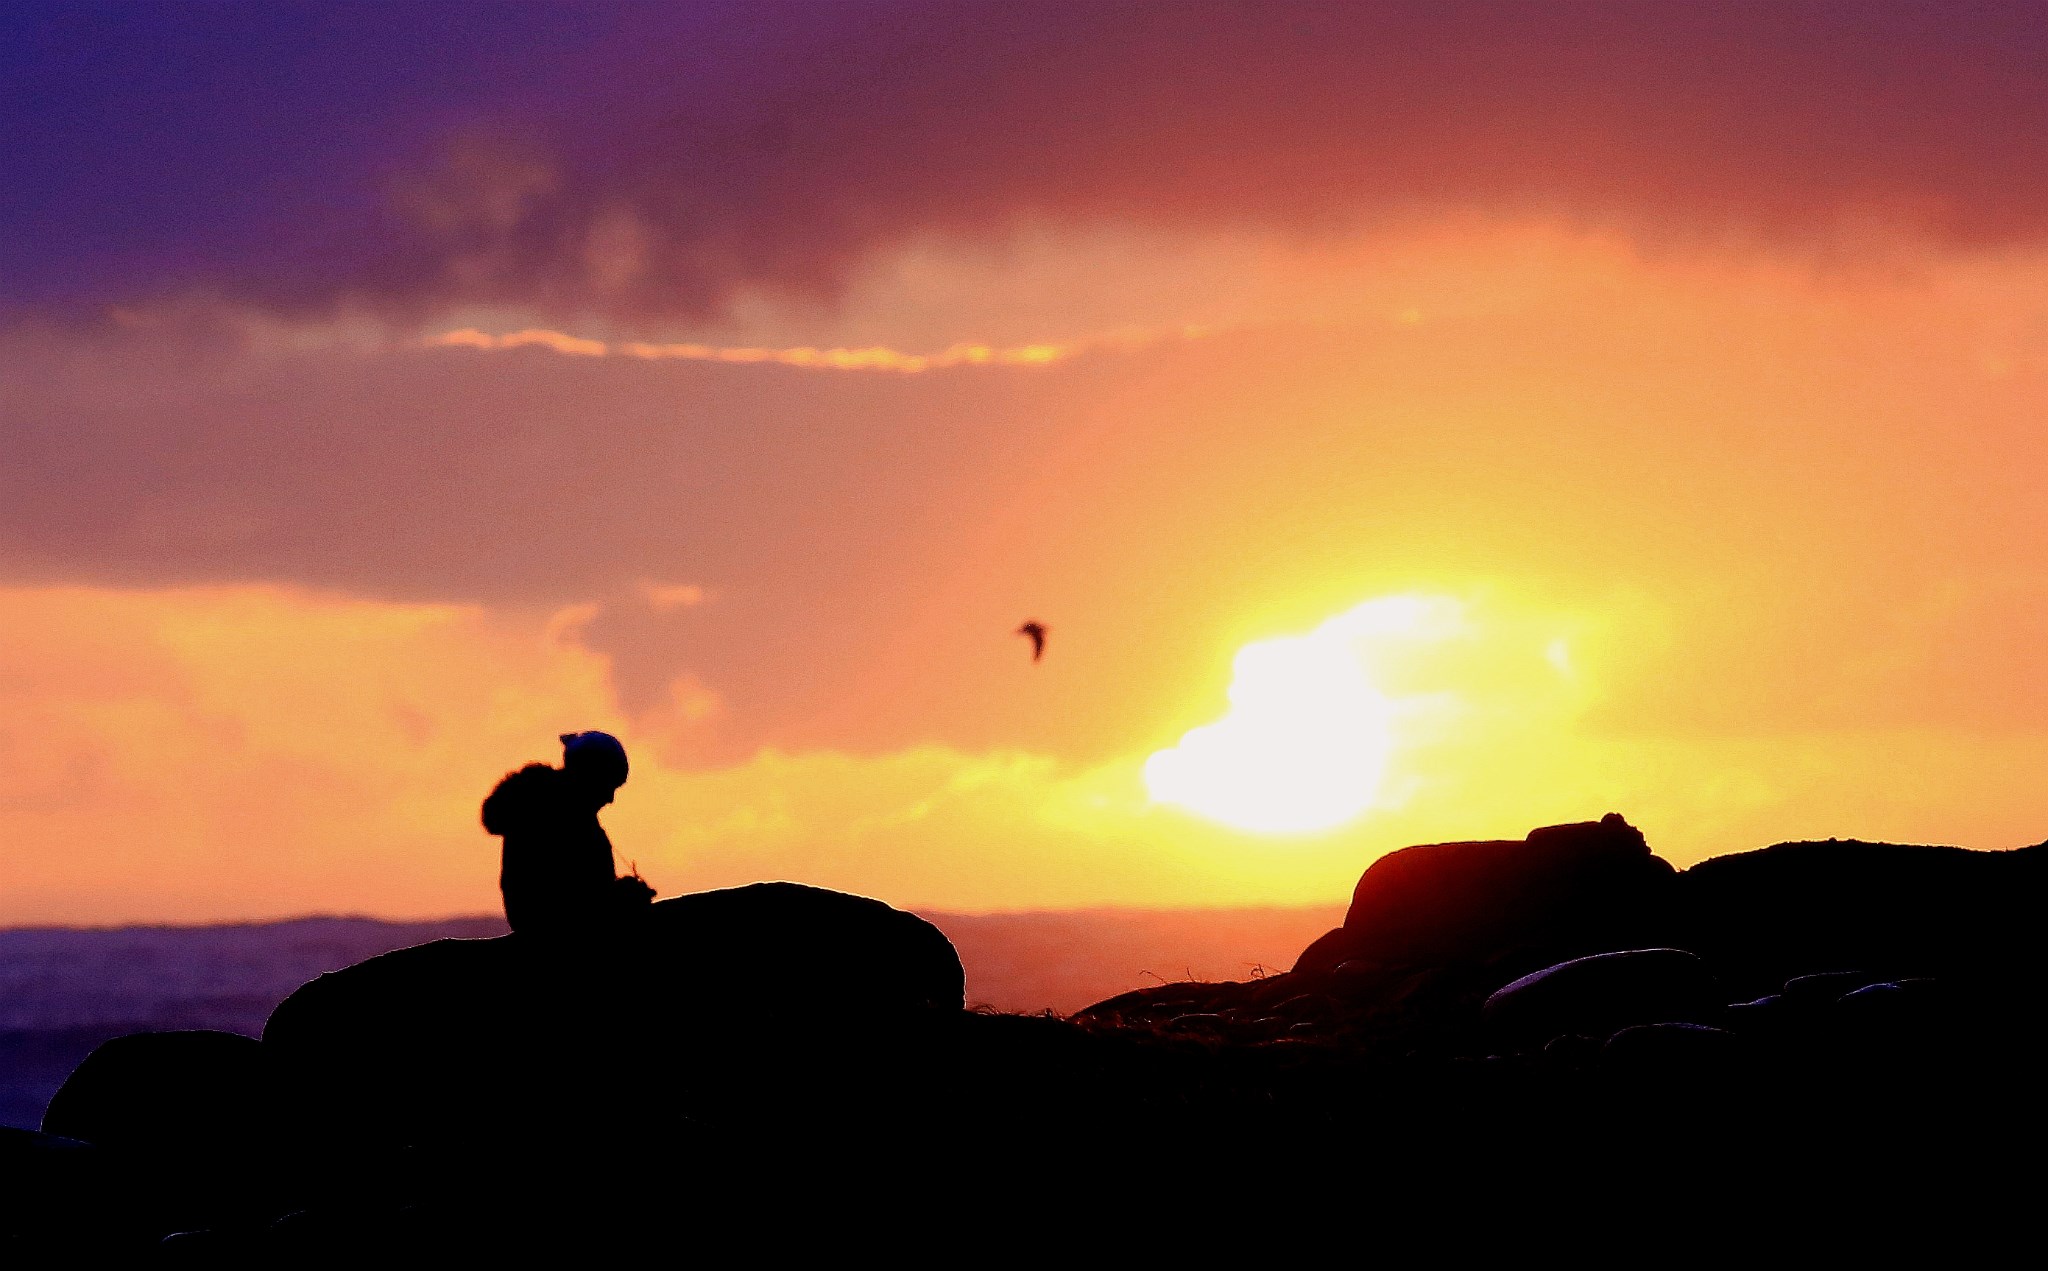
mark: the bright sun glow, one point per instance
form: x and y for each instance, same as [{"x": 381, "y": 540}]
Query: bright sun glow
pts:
[{"x": 1305, "y": 742}]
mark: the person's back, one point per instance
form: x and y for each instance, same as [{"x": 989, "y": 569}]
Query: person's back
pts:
[{"x": 557, "y": 873}]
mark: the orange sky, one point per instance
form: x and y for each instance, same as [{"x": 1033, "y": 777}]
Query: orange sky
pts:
[
  {"x": 1738, "y": 549},
  {"x": 1736, "y": 535}
]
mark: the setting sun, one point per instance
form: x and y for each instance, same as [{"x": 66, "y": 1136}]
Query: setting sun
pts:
[{"x": 1305, "y": 743}]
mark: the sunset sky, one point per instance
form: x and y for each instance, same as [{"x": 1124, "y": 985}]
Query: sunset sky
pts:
[{"x": 1412, "y": 421}]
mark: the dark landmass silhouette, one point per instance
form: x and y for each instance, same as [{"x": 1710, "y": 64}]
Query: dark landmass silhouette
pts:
[
  {"x": 64, "y": 991},
  {"x": 1504, "y": 1045}
]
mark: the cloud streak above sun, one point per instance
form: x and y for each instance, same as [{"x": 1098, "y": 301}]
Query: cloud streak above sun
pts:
[{"x": 871, "y": 358}]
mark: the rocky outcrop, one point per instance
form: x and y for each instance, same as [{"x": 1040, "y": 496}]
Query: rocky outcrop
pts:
[
  {"x": 1758, "y": 918},
  {"x": 1577, "y": 931},
  {"x": 1884, "y": 908},
  {"x": 1564, "y": 890},
  {"x": 457, "y": 1038},
  {"x": 1561, "y": 1012}
]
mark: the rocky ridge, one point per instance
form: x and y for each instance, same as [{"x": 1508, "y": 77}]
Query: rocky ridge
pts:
[{"x": 1540, "y": 1019}]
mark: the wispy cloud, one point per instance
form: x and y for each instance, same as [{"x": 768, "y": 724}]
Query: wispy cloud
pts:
[
  {"x": 869, "y": 358},
  {"x": 669, "y": 597},
  {"x": 531, "y": 338}
]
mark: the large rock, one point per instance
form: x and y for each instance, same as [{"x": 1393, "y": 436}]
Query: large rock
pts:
[
  {"x": 782, "y": 947},
  {"x": 1572, "y": 889},
  {"x": 1673, "y": 1053},
  {"x": 438, "y": 1036},
  {"x": 470, "y": 1039},
  {"x": 1885, "y": 909},
  {"x": 151, "y": 1091},
  {"x": 64, "y": 1203},
  {"x": 1598, "y": 995},
  {"x": 188, "y": 1118}
]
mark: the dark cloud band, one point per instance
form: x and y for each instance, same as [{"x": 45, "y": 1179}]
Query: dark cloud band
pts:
[{"x": 656, "y": 163}]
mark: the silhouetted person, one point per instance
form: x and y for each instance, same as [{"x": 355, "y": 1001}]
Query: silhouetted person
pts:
[
  {"x": 1036, "y": 630},
  {"x": 557, "y": 873}
]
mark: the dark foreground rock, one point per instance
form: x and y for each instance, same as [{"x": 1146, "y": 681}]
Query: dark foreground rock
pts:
[
  {"x": 1509, "y": 1044},
  {"x": 1888, "y": 908},
  {"x": 151, "y": 1091},
  {"x": 710, "y": 991},
  {"x": 190, "y": 1118},
  {"x": 1599, "y": 994}
]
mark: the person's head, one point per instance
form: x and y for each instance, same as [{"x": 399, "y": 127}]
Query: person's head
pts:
[{"x": 595, "y": 761}]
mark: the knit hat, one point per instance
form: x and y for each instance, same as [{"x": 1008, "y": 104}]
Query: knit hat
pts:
[{"x": 595, "y": 755}]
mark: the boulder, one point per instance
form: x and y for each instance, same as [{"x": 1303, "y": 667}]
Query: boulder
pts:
[
  {"x": 1795, "y": 909},
  {"x": 785, "y": 947},
  {"x": 1764, "y": 1016},
  {"x": 1564, "y": 890},
  {"x": 777, "y": 1001},
  {"x": 54, "y": 1194},
  {"x": 188, "y": 1118},
  {"x": 437, "y": 1035},
  {"x": 1913, "y": 1015},
  {"x": 1671, "y": 1049},
  {"x": 1822, "y": 987},
  {"x": 464, "y": 1040},
  {"x": 1598, "y": 995},
  {"x": 188, "y": 1090}
]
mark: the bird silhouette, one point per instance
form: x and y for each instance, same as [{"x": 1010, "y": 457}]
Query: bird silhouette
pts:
[{"x": 1036, "y": 630}]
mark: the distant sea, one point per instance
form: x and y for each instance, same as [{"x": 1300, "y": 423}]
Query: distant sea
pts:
[{"x": 65, "y": 990}]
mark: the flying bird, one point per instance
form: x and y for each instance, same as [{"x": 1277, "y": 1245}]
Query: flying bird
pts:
[{"x": 1036, "y": 630}]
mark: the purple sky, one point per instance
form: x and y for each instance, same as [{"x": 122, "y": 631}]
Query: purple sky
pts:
[
  {"x": 283, "y": 151},
  {"x": 154, "y": 145}
]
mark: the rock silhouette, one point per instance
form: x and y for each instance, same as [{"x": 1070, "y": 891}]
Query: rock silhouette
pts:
[
  {"x": 449, "y": 1040},
  {"x": 188, "y": 1114},
  {"x": 783, "y": 946},
  {"x": 1562, "y": 891},
  {"x": 152, "y": 1091},
  {"x": 1500, "y": 1034},
  {"x": 1601, "y": 994},
  {"x": 1800, "y": 908}
]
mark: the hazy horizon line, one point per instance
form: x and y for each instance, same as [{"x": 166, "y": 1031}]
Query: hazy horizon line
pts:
[{"x": 320, "y": 916}]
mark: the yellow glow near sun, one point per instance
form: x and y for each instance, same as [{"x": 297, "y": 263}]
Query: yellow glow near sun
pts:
[{"x": 1305, "y": 743}]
